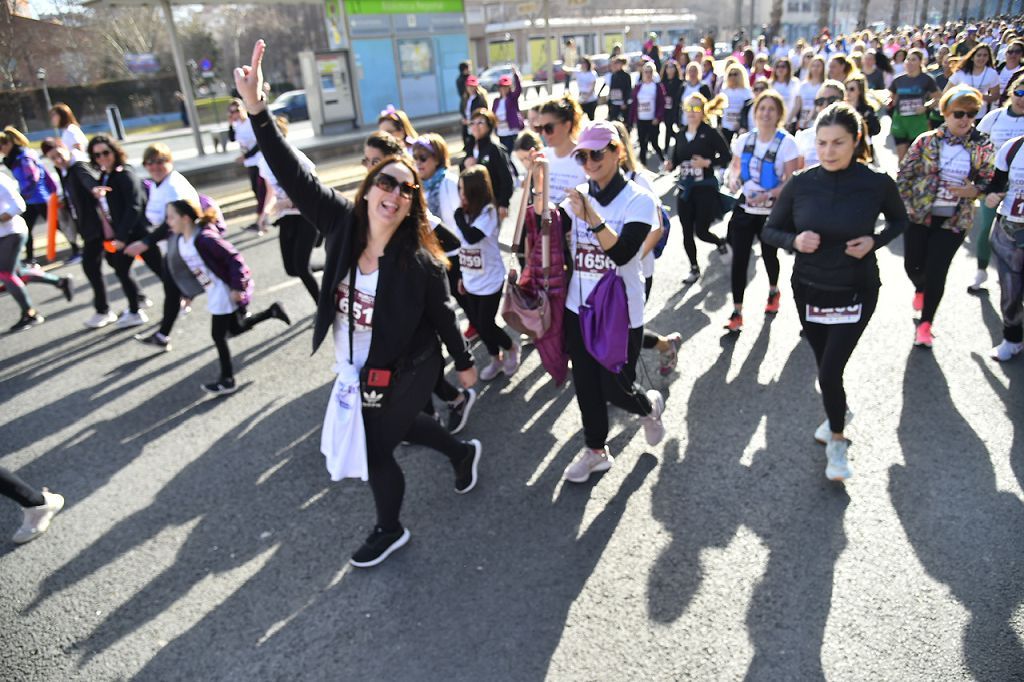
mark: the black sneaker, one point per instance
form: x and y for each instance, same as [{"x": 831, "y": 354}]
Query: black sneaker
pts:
[
  {"x": 278, "y": 313},
  {"x": 458, "y": 415},
  {"x": 27, "y": 321},
  {"x": 465, "y": 470},
  {"x": 222, "y": 387},
  {"x": 693, "y": 276},
  {"x": 154, "y": 340},
  {"x": 65, "y": 286},
  {"x": 379, "y": 546}
]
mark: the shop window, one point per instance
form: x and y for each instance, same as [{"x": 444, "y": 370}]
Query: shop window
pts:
[{"x": 416, "y": 58}]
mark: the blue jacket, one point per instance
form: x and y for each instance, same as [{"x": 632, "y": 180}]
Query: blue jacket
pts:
[{"x": 34, "y": 182}]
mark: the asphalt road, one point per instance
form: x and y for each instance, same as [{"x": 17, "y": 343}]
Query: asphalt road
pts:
[{"x": 203, "y": 540}]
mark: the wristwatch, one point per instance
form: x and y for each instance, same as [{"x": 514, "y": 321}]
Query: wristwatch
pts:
[{"x": 596, "y": 228}]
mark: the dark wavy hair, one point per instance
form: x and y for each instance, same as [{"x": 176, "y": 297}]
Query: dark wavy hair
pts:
[
  {"x": 414, "y": 232},
  {"x": 120, "y": 158}
]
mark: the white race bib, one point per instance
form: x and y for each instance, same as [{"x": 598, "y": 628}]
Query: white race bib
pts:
[
  {"x": 591, "y": 261},
  {"x": 471, "y": 259},
  {"x": 362, "y": 307},
  {"x": 846, "y": 315},
  {"x": 910, "y": 106}
]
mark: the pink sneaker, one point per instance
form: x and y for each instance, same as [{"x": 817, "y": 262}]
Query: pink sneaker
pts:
[
  {"x": 924, "y": 335},
  {"x": 918, "y": 301}
]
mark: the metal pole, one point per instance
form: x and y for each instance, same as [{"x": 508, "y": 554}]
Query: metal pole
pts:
[
  {"x": 551, "y": 48},
  {"x": 183, "y": 80}
]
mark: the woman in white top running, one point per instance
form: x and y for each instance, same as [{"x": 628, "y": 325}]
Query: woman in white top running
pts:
[{"x": 976, "y": 70}]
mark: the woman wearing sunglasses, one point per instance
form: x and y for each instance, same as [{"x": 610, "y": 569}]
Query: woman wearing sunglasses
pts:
[
  {"x": 506, "y": 109},
  {"x": 386, "y": 294},
  {"x": 559, "y": 123},
  {"x": 647, "y": 111},
  {"x": 698, "y": 149},
  {"x": 939, "y": 180},
  {"x": 747, "y": 122},
  {"x": 737, "y": 93},
  {"x": 976, "y": 71},
  {"x": 803, "y": 103},
  {"x": 473, "y": 97},
  {"x": 783, "y": 82},
  {"x": 494, "y": 158},
  {"x": 857, "y": 97},
  {"x": 607, "y": 222},
  {"x": 835, "y": 273},
  {"x": 1011, "y": 68},
  {"x": 1000, "y": 125},
  {"x": 806, "y": 140},
  {"x": 396, "y": 123}
]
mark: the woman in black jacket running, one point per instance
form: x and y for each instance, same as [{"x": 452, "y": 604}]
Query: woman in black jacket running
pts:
[
  {"x": 484, "y": 151},
  {"x": 835, "y": 274},
  {"x": 385, "y": 292}
]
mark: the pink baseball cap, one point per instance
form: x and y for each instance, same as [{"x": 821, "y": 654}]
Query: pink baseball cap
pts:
[
  {"x": 597, "y": 135},
  {"x": 472, "y": 81},
  {"x": 505, "y": 80}
]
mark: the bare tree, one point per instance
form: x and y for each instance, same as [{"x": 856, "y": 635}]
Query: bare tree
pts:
[
  {"x": 945, "y": 11},
  {"x": 896, "y": 7},
  {"x": 923, "y": 19},
  {"x": 824, "y": 12},
  {"x": 775, "y": 18},
  {"x": 862, "y": 15}
]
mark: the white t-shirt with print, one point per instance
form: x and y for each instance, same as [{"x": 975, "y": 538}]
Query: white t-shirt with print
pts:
[
  {"x": 807, "y": 92},
  {"x": 807, "y": 143},
  {"x": 362, "y": 316},
  {"x": 246, "y": 139},
  {"x": 172, "y": 188},
  {"x": 218, "y": 293},
  {"x": 1000, "y": 125},
  {"x": 501, "y": 113},
  {"x": 736, "y": 97},
  {"x": 788, "y": 91},
  {"x": 954, "y": 167},
  {"x": 982, "y": 82},
  {"x": 74, "y": 138},
  {"x": 590, "y": 263},
  {"x": 586, "y": 81},
  {"x": 1012, "y": 206},
  {"x": 642, "y": 178},
  {"x": 646, "y": 98},
  {"x": 565, "y": 174},
  {"x": 284, "y": 206},
  {"x": 483, "y": 271},
  {"x": 787, "y": 152}
]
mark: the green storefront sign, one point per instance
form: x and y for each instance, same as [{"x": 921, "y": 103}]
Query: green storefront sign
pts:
[{"x": 403, "y": 6}]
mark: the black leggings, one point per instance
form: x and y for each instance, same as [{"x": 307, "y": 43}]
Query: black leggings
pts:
[
  {"x": 259, "y": 187},
  {"x": 297, "y": 239},
  {"x": 13, "y": 487},
  {"x": 650, "y": 338},
  {"x": 482, "y": 311},
  {"x": 671, "y": 125},
  {"x": 647, "y": 132},
  {"x": 400, "y": 420},
  {"x": 172, "y": 302},
  {"x": 696, "y": 214},
  {"x": 928, "y": 253},
  {"x": 833, "y": 345},
  {"x": 590, "y": 109},
  {"x": 596, "y": 387},
  {"x": 93, "y": 255},
  {"x": 234, "y": 324},
  {"x": 32, "y": 214},
  {"x": 122, "y": 265},
  {"x": 743, "y": 228}
]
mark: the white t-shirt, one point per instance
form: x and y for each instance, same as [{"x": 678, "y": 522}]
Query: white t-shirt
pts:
[
  {"x": 955, "y": 166},
  {"x": 736, "y": 97},
  {"x": 807, "y": 92},
  {"x": 982, "y": 82},
  {"x": 12, "y": 204},
  {"x": 642, "y": 179},
  {"x": 246, "y": 139},
  {"x": 1000, "y": 125},
  {"x": 218, "y": 293},
  {"x": 1006, "y": 74},
  {"x": 483, "y": 271},
  {"x": 788, "y": 91},
  {"x": 565, "y": 174},
  {"x": 587, "y": 82},
  {"x": 287, "y": 208},
  {"x": 74, "y": 138},
  {"x": 646, "y": 97},
  {"x": 631, "y": 205},
  {"x": 807, "y": 143},
  {"x": 362, "y": 316},
  {"x": 1012, "y": 206},
  {"x": 501, "y": 113},
  {"x": 171, "y": 188},
  {"x": 787, "y": 152}
]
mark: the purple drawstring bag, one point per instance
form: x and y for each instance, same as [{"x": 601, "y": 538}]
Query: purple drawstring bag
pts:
[{"x": 604, "y": 322}]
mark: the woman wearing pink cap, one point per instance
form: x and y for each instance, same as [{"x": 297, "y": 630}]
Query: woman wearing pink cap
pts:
[
  {"x": 473, "y": 98},
  {"x": 607, "y": 223},
  {"x": 506, "y": 109}
]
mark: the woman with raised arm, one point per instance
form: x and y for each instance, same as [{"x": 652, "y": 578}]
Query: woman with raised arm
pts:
[{"x": 385, "y": 293}]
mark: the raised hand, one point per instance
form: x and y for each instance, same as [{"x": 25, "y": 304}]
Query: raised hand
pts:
[{"x": 249, "y": 80}]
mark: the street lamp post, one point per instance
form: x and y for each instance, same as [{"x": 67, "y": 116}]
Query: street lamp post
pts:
[{"x": 41, "y": 75}]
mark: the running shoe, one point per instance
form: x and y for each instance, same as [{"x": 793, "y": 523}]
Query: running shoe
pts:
[
  {"x": 223, "y": 386},
  {"x": 277, "y": 312},
  {"x": 145, "y": 301},
  {"x": 1006, "y": 350},
  {"x": 725, "y": 253},
  {"x": 586, "y": 463},
  {"x": 918, "y": 303},
  {"x": 458, "y": 414},
  {"x": 492, "y": 370},
  {"x": 772, "y": 306},
  {"x": 471, "y": 333},
  {"x": 924, "y": 336},
  {"x": 26, "y": 321},
  {"x": 465, "y": 469},
  {"x": 838, "y": 467},
  {"x": 654, "y": 429},
  {"x": 735, "y": 324},
  {"x": 669, "y": 358},
  {"x": 156, "y": 339},
  {"x": 979, "y": 279},
  {"x": 65, "y": 285},
  {"x": 129, "y": 319},
  {"x": 693, "y": 276},
  {"x": 824, "y": 432},
  {"x": 36, "y": 520},
  {"x": 379, "y": 546},
  {"x": 511, "y": 362},
  {"x": 100, "y": 320}
]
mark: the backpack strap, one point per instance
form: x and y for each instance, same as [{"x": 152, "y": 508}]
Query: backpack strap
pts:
[{"x": 1012, "y": 153}]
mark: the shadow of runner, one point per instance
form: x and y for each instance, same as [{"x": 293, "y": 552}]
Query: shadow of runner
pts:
[
  {"x": 1014, "y": 401},
  {"x": 964, "y": 531}
]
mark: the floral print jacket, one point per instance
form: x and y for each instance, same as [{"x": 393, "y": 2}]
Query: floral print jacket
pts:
[{"x": 918, "y": 175}]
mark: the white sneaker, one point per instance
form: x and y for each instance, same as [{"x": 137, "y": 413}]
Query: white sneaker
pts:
[
  {"x": 492, "y": 370},
  {"x": 1006, "y": 350},
  {"x": 130, "y": 319},
  {"x": 37, "y": 519},
  {"x": 100, "y": 320},
  {"x": 824, "y": 432},
  {"x": 838, "y": 468},
  {"x": 511, "y": 362},
  {"x": 586, "y": 463},
  {"x": 980, "y": 278},
  {"x": 653, "y": 428}
]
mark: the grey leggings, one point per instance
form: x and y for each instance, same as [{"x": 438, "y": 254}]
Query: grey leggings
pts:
[
  {"x": 14, "y": 276},
  {"x": 1010, "y": 264}
]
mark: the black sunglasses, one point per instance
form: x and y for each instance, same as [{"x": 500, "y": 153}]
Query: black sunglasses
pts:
[
  {"x": 422, "y": 158},
  {"x": 544, "y": 129},
  {"x": 1015, "y": 52},
  {"x": 102, "y": 152},
  {"x": 595, "y": 155},
  {"x": 388, "y": 183},
  {"x": 961, "y": 114},
  {"x": 1018, "y": 93},
  {"x": 825, "y": 101}
]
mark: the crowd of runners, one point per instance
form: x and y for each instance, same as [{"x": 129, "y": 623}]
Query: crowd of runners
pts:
[{"x": 773, "y": 146}]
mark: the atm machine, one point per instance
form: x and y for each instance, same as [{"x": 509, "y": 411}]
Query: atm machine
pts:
[{"x": 330, "y": 91}]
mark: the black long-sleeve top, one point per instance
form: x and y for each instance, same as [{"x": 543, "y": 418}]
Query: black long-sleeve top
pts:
[
  {"x": 127, "y": 203},
  {"x": 621, "y": 81},
  {"x": 871, "y": 119},
  {"x": 839, "y": 206},
  {"x": 412, "y": 306},
  {"x": 78, "y": 183},
  {"x": 495, "y": 159},
  {"x": 707, "y": 143},
  {"x": 674, "y": 90}
]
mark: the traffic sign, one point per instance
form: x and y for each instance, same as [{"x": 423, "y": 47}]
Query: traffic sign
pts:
[{"x": 206, "y": 64}]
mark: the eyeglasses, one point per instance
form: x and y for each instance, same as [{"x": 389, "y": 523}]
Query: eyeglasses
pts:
[
  {"x": 232, "y": 111},
  {"x": 388, "y": 183},
  {"x": 595, "y": 155},
  {"x": 825, "y": 101},
  {"x": 422, "y": 158},
  {"x": 154, "y": 162},
  {"x": 961, "y": 114},
  {"x": 102, "y": 152},
  {"x": 694, "y": 109},
  {"x": 544, "y": 129}
]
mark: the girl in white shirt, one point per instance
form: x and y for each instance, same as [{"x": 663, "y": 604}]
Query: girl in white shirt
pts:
[
  {"x": 63, "y": 119},
  {"x": 737, "y": 92},
  {"x": 975, "y": 70}
]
